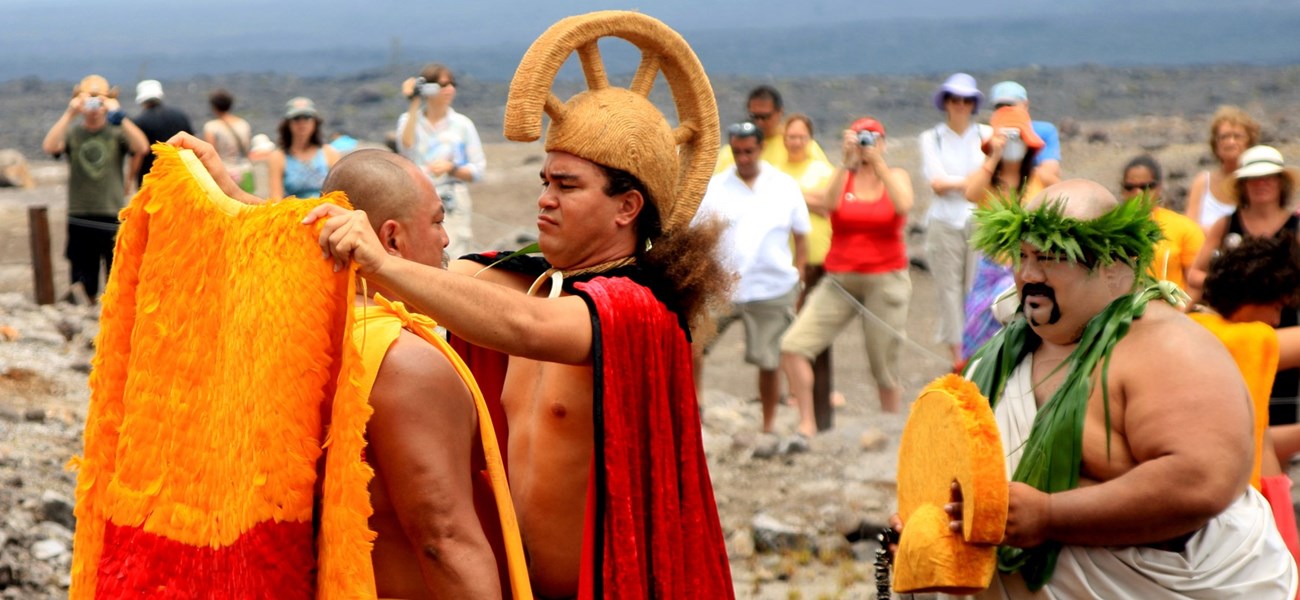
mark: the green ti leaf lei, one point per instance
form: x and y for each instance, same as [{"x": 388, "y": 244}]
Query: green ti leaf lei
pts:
[{"x": 1053, "y": 454}]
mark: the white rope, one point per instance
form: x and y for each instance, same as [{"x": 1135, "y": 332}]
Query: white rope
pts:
[{"x": 907, "y": 343}]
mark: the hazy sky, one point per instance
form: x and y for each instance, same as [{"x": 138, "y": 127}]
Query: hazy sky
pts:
[{"x": 88, "y": 24}]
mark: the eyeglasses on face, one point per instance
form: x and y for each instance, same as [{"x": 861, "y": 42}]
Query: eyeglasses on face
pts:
[
  {"x": 1144, "y": 186},
  {"x": 760, "y": 116},
  {"x": 960, "y": 99},
  {"x": 303, "y": 118}
]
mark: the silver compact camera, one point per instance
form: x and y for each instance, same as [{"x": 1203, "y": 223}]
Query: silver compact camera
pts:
[
  {"x": 424, "y": 87},
  {"x": 1011, "y": 133},
  {"x": 92, "y": 104},
  {"x": 867, "y": 138}
]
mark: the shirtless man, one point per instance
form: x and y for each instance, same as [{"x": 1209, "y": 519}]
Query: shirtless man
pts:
[
  {"x": 423, "y": 437},
  {"x": 1161, "y": 489},
  {"x": 606, "y": 461}
]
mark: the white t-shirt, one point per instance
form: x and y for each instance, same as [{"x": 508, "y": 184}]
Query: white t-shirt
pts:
[
  {"x": 949, "y": 156},
  {"x": 756, "y": 245},
  {"x": 452, "y": 138}
]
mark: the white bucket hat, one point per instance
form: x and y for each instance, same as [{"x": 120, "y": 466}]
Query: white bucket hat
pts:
[{"x": 960, "y": 85}]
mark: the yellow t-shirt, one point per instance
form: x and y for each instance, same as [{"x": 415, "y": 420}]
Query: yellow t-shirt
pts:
[
  {"x": 813, "y": 176},
  {"x": 773, "y": 152},
  {"x": 1176, "y": 253}
]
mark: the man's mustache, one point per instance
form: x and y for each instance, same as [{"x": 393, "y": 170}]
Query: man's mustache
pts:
[{"x": 1040, "y": 289}]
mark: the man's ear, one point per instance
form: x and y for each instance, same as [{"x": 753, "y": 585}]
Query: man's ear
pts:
[
  {"x": 1119, "y": 277},
  {"x": 389, "y": 233},
  {"x": 630, "y": 204}
]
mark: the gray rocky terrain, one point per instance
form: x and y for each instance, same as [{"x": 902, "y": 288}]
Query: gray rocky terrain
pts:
[{"x": 798, "y": 526}]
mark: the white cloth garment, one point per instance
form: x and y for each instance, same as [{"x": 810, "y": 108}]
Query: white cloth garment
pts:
[{"x": 1238, "y": 554}]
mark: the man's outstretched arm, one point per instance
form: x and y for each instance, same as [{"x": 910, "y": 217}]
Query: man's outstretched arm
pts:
[{"x": 480, "y": 312}]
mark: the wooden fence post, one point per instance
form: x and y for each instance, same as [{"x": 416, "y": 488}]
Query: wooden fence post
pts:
[{"x": 38, "y": 225}]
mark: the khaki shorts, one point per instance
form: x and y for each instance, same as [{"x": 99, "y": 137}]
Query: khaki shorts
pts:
[
  {"x": 826, "y": 312},
  {"x": 765, "y": 322}
]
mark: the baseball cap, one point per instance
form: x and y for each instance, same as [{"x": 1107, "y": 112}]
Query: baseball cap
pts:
[
  {"x": 867, "y": 124},
  {"x": 960, "y": 85},
  {"x": 300, "y": 107},
  {"x": 1014, "y": 117},
  {"x": 1008, "y": 92},
  {"x": 149, "y": 89}
]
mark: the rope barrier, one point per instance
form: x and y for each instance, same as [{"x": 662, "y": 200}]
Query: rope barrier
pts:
[{"x": 907, "y": 343}]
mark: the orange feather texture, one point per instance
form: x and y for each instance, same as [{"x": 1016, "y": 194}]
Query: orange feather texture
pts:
[
  {"x": 225, "y": 414},
  {"x": 951, "y": 435}
]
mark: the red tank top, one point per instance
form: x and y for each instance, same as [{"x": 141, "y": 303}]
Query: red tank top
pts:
[{"x": 866, "y": 236}]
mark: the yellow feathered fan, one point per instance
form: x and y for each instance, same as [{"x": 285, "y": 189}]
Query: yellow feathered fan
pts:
[{"x": 950, "y": 436}]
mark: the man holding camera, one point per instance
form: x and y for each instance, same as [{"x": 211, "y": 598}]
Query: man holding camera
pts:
[
  {"x": 446, "y": 146},
  {"x": 762, "y": 208},
  {"x": 96, "y": 148}
]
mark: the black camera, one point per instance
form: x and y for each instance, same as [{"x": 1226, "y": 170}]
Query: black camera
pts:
[
  {"x": 867, "y": 138},
  {"x": 424, "y": 88}
]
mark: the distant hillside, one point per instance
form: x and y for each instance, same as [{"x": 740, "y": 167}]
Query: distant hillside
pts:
[
  {"x": 367, "y": 104},
  {"x": 1127, "y": 35}
]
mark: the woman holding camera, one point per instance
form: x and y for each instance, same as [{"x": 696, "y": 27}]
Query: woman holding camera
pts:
[
  {"x": 445, "y": 144},
  {"x": 298, "y": 167},
  {"x": 868, "y": 203},
  {"x": 1008, "y": 171}
]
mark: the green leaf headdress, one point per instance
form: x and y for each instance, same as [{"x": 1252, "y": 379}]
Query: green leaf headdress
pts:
[{"x": 1126, "y": 233}]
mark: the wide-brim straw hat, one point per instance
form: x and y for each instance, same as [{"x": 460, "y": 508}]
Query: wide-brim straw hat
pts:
[
  {"x": 619, "y": 127},
  {"x": 1262, "y": 161}
]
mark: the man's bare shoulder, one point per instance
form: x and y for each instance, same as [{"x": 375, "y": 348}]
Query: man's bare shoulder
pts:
[
  {"x": 416, "y": 375},
  {"x": 1164, "y": 341}
]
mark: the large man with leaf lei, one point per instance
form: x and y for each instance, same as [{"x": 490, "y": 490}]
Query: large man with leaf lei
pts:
[{"x": 1129, "y": 470}]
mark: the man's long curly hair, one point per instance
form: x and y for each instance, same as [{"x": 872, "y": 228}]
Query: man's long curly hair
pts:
[
  {"x": 1259, "y": 271},
  {"x": 686, "y": 261}
]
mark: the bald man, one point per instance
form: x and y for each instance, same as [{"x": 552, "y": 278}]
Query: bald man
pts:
[
  {"x": 423, "y": 439},
  {"x": 1156, "y": 504}
]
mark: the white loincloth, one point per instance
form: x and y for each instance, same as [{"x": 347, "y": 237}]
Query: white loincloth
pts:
[{"x": 1238, "y": 554}]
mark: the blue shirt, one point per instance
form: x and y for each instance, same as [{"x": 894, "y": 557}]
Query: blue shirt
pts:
[{"x": 1051, "y": 142}]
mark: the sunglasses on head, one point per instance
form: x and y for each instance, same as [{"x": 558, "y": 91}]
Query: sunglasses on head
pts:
[
  {"x": 742, "y": 129},
  {"x": 1145, "y": 186}
]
